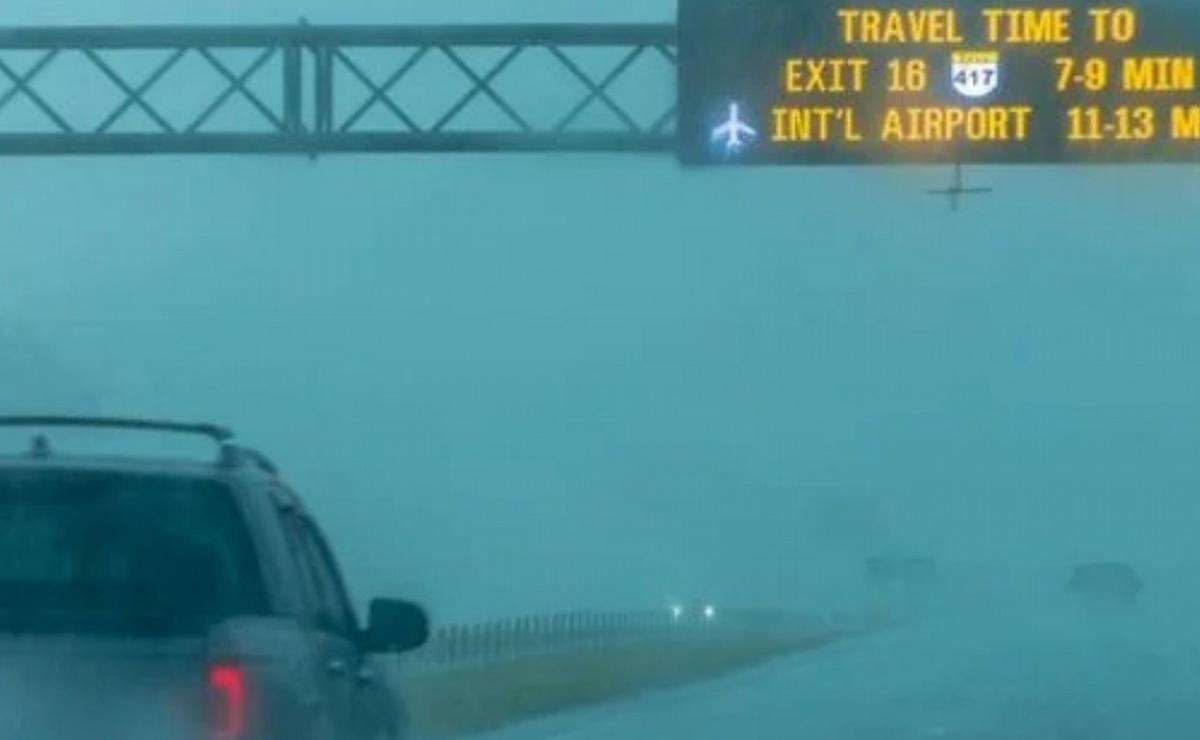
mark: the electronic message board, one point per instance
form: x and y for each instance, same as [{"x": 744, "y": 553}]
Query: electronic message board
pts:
[{"x": 827, "y": 82}]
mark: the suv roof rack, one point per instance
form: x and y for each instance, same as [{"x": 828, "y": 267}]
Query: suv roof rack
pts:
[
  {"x": 230, "y": 455},
  {"x": 218, "y": 434},
  {"x": 234, "y": 455}
]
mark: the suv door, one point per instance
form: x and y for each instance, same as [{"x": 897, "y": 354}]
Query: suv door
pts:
[
  {"x": 333, "y": 622},
  {"x": 361, "y": 709}
]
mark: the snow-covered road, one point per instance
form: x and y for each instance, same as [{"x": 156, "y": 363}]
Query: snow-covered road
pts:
[{"x": 1077, "y": 674}]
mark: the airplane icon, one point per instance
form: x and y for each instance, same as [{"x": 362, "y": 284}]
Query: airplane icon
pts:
[{"x": 734, "y": 133}]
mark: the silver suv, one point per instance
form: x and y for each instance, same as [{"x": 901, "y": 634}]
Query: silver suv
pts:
[{"x": 147, "y": 599}]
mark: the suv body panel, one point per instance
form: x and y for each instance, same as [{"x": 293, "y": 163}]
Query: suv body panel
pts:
[{"x": 306, "y": 681}]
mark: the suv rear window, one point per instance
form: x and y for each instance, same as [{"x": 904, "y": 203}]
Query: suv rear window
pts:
[{"x": 121, "y": 553}]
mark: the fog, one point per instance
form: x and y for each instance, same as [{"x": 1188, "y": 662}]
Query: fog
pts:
[{"x": 519, "y": 383}]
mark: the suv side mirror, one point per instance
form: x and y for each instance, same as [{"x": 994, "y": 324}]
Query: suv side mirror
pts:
[{"x": 395, "y": 626}]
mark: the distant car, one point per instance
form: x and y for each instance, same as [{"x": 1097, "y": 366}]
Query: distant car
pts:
[
  {"x": 904, "y": 571},
  {"x": 1110, "y": 582},
  {"x": 147, "y": 599},
  {"x": 696, "y": 611}
]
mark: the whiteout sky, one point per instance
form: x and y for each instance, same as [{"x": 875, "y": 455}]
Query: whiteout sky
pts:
[{"x": 512, "y": 383}]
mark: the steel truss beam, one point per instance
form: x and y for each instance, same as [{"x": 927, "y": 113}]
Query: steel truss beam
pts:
[{"x": 308, "y": 89}]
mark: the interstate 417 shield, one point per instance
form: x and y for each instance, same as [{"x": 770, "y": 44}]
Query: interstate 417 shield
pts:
[{"x": 975, "y": 74}]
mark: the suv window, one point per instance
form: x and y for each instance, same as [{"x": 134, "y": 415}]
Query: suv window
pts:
[
  {"x": 331, "y": 604},
  {"x": 122, "y": 553}
]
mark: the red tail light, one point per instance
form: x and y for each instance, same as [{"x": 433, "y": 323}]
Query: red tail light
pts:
[{"x": 228, "y": 685}]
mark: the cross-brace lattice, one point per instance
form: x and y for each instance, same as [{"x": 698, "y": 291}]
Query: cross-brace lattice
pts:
[{"x": 300, "y": 89}]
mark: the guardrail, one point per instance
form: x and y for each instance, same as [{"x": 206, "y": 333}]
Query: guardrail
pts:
[
  {"x": 474, "y": 678},
  {"x": 462, "y": 645}
]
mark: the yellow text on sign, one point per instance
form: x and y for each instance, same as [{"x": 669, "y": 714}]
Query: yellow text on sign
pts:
[
  {"x": 1185, "y": 122},
  {"x": 1027, "y": 25},
  {"x": 914, "y": 26},
  {"x": 1091, "y": 74},
  {"x": 814, "y": 124},
  {"x": 1111, "y": 25},
  {"x": 1158, "y": 74},
  {"x": 833, "y": 75},
  {"x": 982, "y": 123},
  {"x": 1000, "y": 25}
]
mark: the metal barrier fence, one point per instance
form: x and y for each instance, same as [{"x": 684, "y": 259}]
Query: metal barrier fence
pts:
[{"x": 461, "y": 645}]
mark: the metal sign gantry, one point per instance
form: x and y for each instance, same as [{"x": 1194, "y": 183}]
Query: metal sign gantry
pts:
[{"x": 306, "y": 88}]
